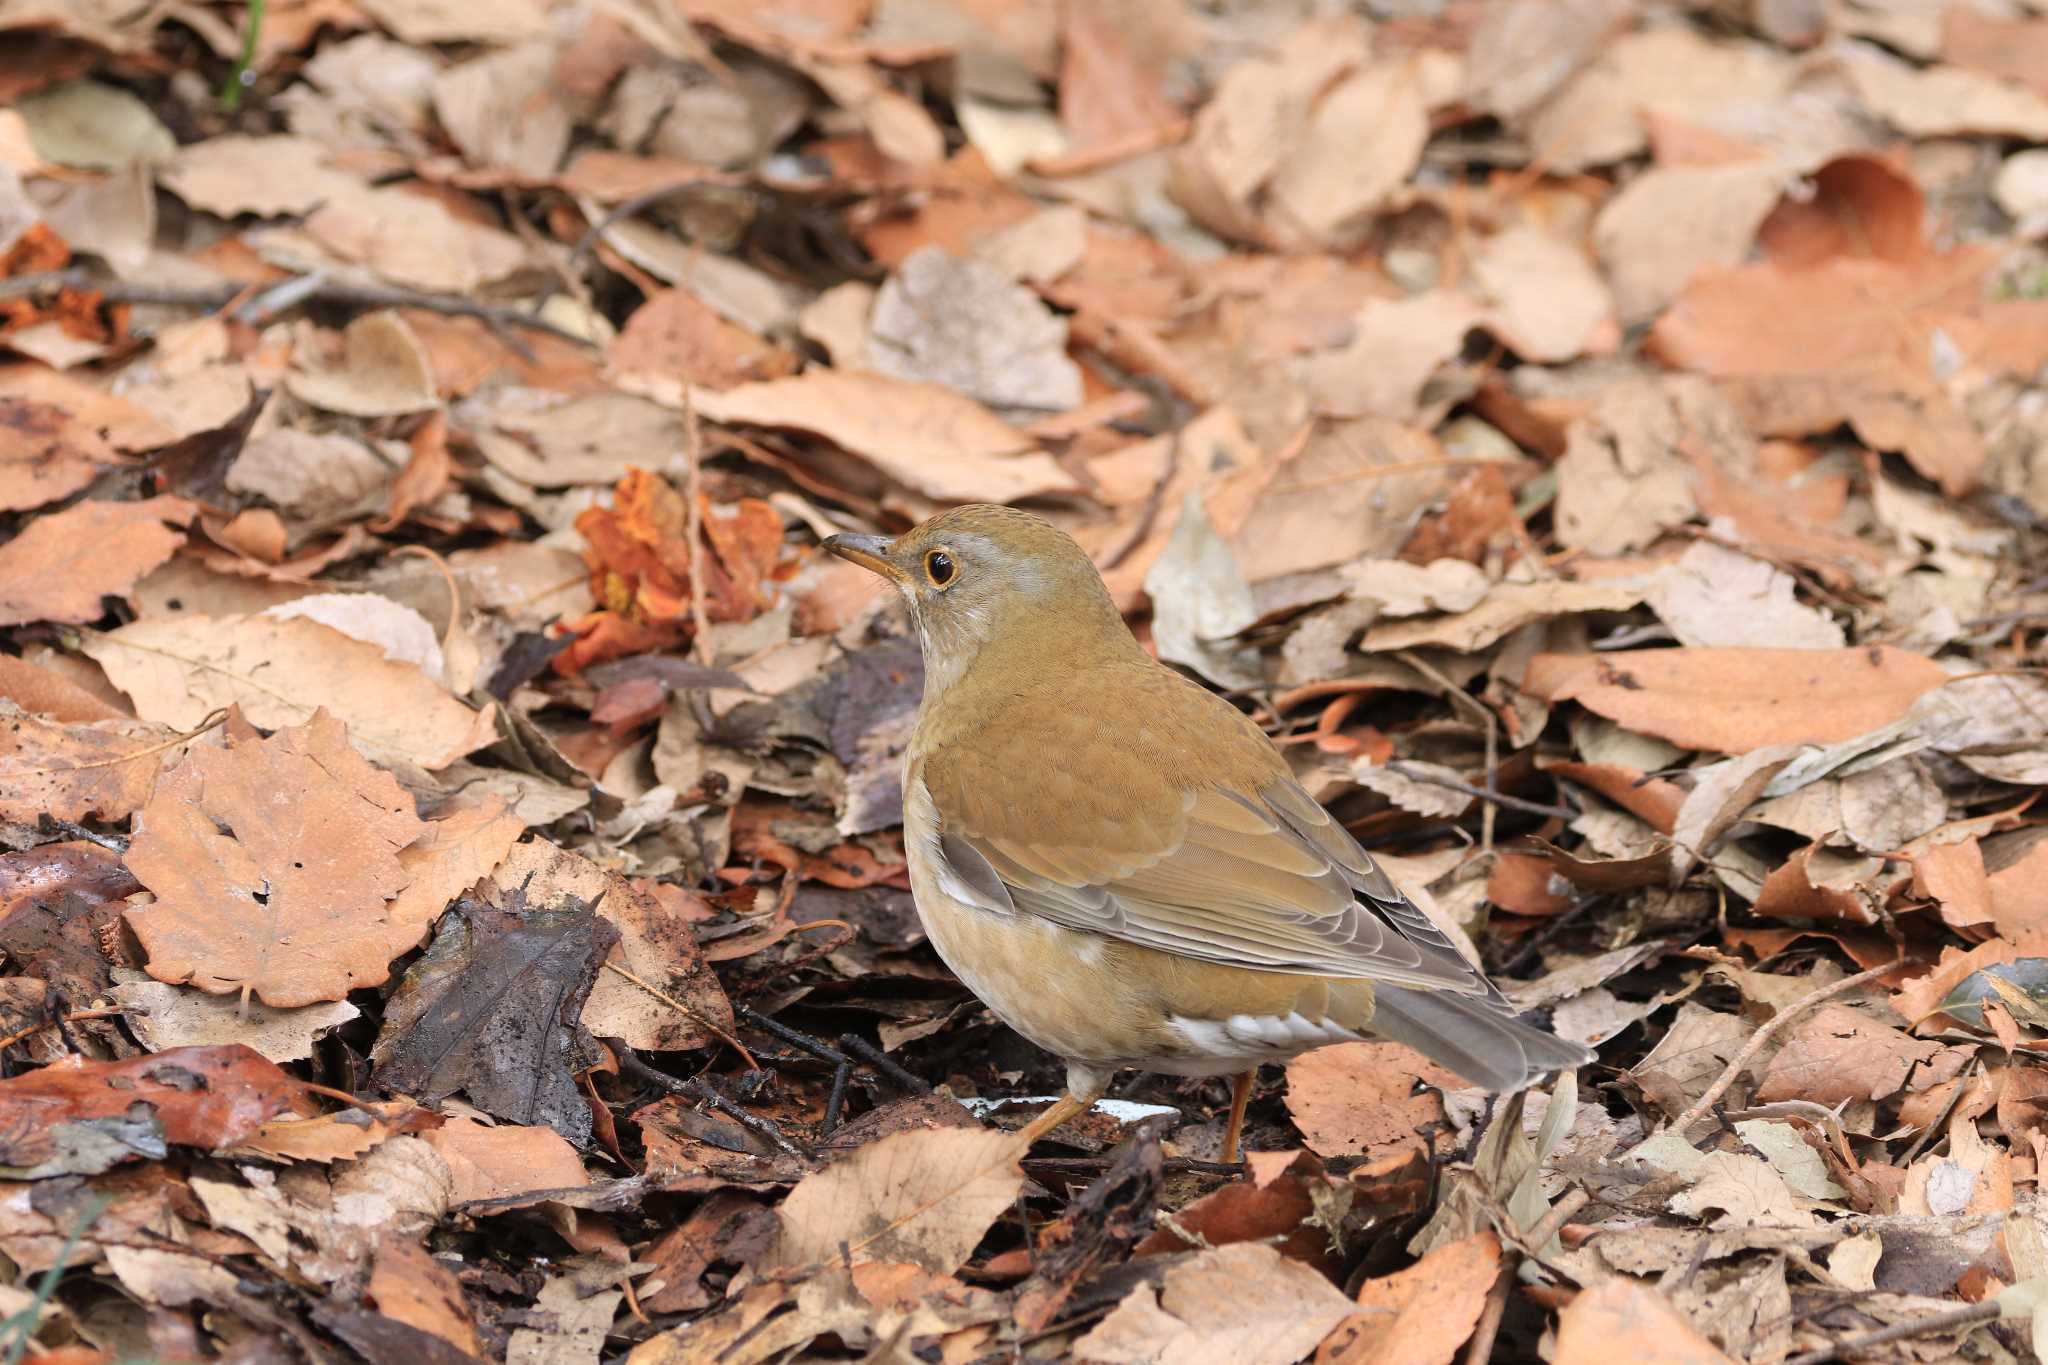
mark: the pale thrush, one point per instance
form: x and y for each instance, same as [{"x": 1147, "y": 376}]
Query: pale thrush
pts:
[{"x": 1123, "y": 867}]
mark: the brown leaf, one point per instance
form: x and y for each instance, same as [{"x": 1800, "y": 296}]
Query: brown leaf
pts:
[
  {"x": 1362, "y": 1099},
  {"x": 1952, "y": 875},
  {"x": 924, "y": 1197},
  {"x": 656, "y": 943},
  {"x": 452, "y": 854},
  {"x": 63, "y": 563},
  {"x": 1236, "y": 1305},
  {"x": 929, "y": 439},
  {"x": 46, "y": 453},
  {"x": 1618, "y": 1318},
  {"x": 58, "y": 903},
  {"x": 505, "y": 1160},
  {"x": 209, "y": 1097},
  {"x": 272, "y": 860},
  {"x": 1793, "y": 324},
  {"x": 178, "y": 669},
  {"x": 676, "y": 333},
  {"x": 1421, "y": 1315},
  {"x": 1733, "y": 700},
  {"x": 101, "y": 769},
  {"x": 1279, "y": 1209},
  {"x": 408, "y": 1284},
  {"x": 54, "y": 695},
  {"x": 1836, "y": 1054}
]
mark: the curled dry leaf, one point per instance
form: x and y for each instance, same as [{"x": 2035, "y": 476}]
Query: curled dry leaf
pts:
[
  {"x": 272, "y": 861},
  {"x": 1421, "y": 1315},
  {"x": 1617, "y": 1318},
  {"x": 924, "y": 1197},
  {"x": 165, "y": 1017},
  {"x": 179, "y": 669},
  {"x": 930, "y": 439},
  {"x": 62, "y": 564}
]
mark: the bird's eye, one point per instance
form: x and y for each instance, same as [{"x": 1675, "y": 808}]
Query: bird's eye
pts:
[{"x": 939, "y": 568}]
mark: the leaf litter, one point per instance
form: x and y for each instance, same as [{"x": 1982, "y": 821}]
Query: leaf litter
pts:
[{"x": 450, "y": 865}]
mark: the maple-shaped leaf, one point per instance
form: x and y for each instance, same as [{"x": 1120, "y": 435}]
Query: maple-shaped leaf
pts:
[
  {"x": 493, "y": 1008},
  {"x": 273, "y": 861}
]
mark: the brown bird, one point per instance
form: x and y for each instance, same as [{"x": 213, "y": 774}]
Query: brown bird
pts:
[{"x": 1122, "y": 866}]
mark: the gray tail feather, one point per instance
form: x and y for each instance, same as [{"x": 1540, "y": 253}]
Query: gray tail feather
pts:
[{"x": 1480, "y": 1039}]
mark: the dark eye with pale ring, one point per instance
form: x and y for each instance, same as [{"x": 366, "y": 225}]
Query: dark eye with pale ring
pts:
[{"x": 939, "y": 568}]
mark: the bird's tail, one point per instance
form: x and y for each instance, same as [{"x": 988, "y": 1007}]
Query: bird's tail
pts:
[{"x": 1478, "y": 1037}]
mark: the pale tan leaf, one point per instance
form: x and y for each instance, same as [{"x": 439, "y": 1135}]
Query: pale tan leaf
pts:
[
  {"x": 924, "y": 1196},
  {"x": 181, "y": 669}
]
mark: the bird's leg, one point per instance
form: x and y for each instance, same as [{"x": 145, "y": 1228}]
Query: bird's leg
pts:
[
  {"x": 1085, "y": 1085},
  {"x": 1240, "y": 1096}
]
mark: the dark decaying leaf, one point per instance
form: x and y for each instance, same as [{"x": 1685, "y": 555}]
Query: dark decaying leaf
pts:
[
  {"x": 493, "y": 1008},
  {"x": 2027, "y": 975},
  {"x": 1105, "y": 1220},
  {"x": 58, "y": 905},
  {"x": 197, "y": 467}
]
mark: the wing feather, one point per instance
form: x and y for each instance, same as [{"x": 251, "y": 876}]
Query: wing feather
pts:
[{"x": 1241, "y": 867}]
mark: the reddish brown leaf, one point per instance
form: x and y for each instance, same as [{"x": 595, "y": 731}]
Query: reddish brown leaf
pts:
[
  {"x": 1362, "y": 1099},
  {"x": 63, "y": 563},
  {"x": 272, "y": 861},
  {"x": 1421, "y": 1315},
  {"x": 1734, "y": 700},
  {"x": 103, "y": 769},
  {"x": 209, "y": 1097}
]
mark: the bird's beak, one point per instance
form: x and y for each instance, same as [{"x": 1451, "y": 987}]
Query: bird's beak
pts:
[{"x": 870, "y": 552}]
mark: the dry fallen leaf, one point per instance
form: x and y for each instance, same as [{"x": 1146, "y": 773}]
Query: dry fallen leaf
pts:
[
  {"x": 272, "y": 861},
  {"x": 103, "y": 769},
  {"x": 925, "y": 1197},
  {"x": 1363, "y": 1099},
  {"x": 180, "y": 669},
  {"x": 1235, "y": 1305},
  {"x": 1421, "y": 1315},
  {"x": 47, "y": 452},
  {"x": 63, "y": 563},
  {"x": 1734, "y": 700},
  {"x": 930, "y": 439}
]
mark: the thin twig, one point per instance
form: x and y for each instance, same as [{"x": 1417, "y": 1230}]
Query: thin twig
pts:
[
  {"x": 1428, "y": 778},
  {"x": 53, "y": 1021},
  {"x": 1480, "y": 1349},
  {"x": 1705, "y": 1103},
  {"x": 693, "y": 525},
  {"x": 1488, "y": 719},
  {"x": 1901, "y": 1331},
  {"x": 884, "y": 1063},
  {"x": 328, "y": 291},
  {"x": 665, "y": 998}
]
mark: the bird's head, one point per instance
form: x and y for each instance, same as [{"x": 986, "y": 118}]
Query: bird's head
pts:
[{"x": 982, "y": 575}]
